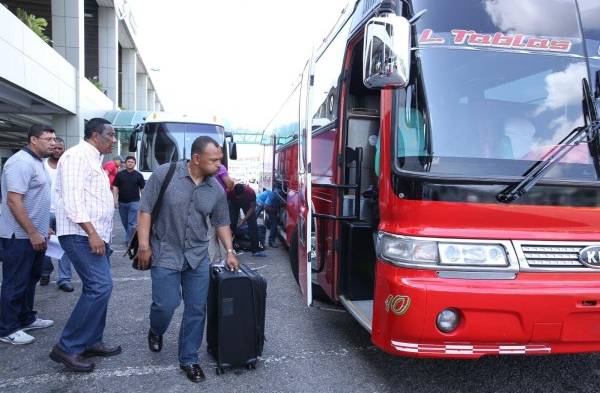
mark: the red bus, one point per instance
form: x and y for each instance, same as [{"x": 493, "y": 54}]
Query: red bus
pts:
[{"x": 440, "y": 160}]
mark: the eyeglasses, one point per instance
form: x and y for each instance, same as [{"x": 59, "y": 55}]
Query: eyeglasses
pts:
[{"x": 50, "y": 139}]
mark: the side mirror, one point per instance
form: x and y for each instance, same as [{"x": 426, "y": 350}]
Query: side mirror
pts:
[
  {"x": 232, "y": 150},
  {"x": 133, "y": 139},
  {"x": 386, "y": 53}
]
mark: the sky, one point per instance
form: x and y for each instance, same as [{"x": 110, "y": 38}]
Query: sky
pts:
[{"x": 234, "y": 59}]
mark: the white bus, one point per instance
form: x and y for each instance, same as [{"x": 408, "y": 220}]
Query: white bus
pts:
[{"x": 165, "y": 137}]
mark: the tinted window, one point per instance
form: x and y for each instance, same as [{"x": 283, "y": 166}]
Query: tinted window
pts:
[
  {"x": 496, "y": 85},
  {"x": 545, "y": 18},
  {"x": 327, "y": 73},
  {"x": 285, "y": 125},
  {"x": 166, "y": 142}
]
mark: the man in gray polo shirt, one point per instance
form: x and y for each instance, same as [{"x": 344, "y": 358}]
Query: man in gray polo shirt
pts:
[
  {"x": 24, "y": 227},
  {"x": 179, "y": 247}
]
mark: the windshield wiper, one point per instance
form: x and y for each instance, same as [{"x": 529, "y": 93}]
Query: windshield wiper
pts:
[{"x": 586, "y": 134}]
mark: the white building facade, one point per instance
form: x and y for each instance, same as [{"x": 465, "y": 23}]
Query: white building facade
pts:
[{"x": 90, "y": 66}]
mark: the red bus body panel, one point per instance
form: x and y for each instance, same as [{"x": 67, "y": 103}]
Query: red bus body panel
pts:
[{"x": 539, "y": 313}]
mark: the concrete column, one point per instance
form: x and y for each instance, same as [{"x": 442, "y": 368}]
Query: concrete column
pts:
[
  {"x": 129, "y": 79},
  {"x": 68, "y": 40},
  {"x": 69, "y": 128},
  {"x": 142, "y": 92},
  {"x": 67, "y": 31},
  {"x": 151, "y": 100},
  {"x": 108, "y": 52},
  {"x": 157, "y": 105}
]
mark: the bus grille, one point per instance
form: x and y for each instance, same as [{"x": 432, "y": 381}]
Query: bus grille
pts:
[{"x": 552, "y": 256}]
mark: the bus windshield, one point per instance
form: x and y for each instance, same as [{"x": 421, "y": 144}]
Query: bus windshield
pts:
[
  {"x": 493, "y": 90},
  {"x": 165, "y": 142}
]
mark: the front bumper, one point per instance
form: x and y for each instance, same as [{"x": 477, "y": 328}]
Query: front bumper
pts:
[{"x": 536, "y": 313}]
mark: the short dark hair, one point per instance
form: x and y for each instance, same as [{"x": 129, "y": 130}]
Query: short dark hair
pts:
[
  {"x": 60, "y": 140},
  {"x": 130, "y": 158},
  {"x": 37, "y": 130},
  {"x": 200, "y": 143},
  {"x": 238, "y": 189},
  {"x": 94, "y": 125}
]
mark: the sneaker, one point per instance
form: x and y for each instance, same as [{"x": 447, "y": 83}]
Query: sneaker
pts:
[
  {"x": 39, "y": 324},
  {"x": 259, "y": 254},
  {"x": 18, "y": 338},
  {"x": 273, "y": 245}
]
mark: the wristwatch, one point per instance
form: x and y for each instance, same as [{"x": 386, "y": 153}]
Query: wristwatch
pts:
[{"x": 230, "y": 251}]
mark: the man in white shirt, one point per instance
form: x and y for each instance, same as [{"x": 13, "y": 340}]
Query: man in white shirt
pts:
[
  {"x": 64, "y": 264},
  {"x": 84, "y": 215}
]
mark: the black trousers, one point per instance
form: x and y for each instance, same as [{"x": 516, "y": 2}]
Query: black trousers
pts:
[
  {"x": 234, "y": 216},
  {"x": 21, "y": 270}
]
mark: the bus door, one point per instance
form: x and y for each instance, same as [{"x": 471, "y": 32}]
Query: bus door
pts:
[{"x": 304, "y": 186}]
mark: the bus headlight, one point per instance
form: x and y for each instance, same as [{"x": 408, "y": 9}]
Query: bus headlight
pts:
[
  {"x": 472, "y": 254},
  {"x": 408, "y": 250}
]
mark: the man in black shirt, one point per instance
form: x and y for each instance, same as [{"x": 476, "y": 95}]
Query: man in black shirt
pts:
[{"x": 127, "y": 187}]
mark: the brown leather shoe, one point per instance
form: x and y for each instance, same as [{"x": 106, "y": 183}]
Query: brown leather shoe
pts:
[
  {"x": 72, "y": 362},
  {"x": 154, "y": 341},
  {"x": 194, "y": 372},
  {"x": 101, "y": 350}
]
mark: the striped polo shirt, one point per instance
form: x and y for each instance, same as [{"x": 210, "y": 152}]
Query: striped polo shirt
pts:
[{"x": 24, "y": 173}]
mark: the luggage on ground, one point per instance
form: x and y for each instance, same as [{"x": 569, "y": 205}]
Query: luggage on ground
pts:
[
  {"x": 235, "y": 330},
  {"x": 242, "y": 238}
]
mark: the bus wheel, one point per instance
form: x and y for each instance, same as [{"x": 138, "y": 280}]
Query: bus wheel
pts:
[{"x": 294, "y": 256}]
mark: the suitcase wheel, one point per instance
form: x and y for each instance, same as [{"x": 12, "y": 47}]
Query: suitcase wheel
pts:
[{"x": 220, "y": 370}]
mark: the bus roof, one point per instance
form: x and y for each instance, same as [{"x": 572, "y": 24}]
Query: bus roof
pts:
[{"x": 165, "y": 117}]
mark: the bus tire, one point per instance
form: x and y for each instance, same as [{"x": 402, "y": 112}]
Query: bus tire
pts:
[{"x": 294, "y": 256}]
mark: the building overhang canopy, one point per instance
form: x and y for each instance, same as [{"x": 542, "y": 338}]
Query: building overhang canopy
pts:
[
  {"x": 15, "y": 100},
  {"x": 124, "y": 121}
]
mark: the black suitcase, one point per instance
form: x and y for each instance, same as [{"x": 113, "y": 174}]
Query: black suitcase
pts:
[{"x": 235, "y": 329}]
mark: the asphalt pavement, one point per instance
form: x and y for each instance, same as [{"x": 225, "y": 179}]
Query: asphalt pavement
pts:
[{"x": 316, "y": 349}]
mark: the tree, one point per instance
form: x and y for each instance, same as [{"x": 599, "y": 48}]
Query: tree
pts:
[{"x": 37, "y": 25}]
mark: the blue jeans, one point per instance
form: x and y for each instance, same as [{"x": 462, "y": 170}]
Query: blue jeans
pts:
[
  {"x": 21, "y": 270},
  {"x": 128, "y": 213},
  {"x": 168, "y": 286},
  {"x": 64, "y": 269},
  {"x": 85, "y": 326},
  {"x": 64, "y": 264},
  {"x": 273, "y": 218}
]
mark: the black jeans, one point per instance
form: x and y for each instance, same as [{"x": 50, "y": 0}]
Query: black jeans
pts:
[{"x": 234, "y": 215}]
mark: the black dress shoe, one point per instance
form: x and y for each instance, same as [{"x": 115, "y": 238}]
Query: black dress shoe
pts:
[
  {"x": 66, "y": 286},
  {"x": 194, "y": 372},
  {"x": 44, "y": 280},
  {"x": 73, "y": 362},
  {"x": 154, "y": 341},
  {"x": 101, "y": 350}
]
